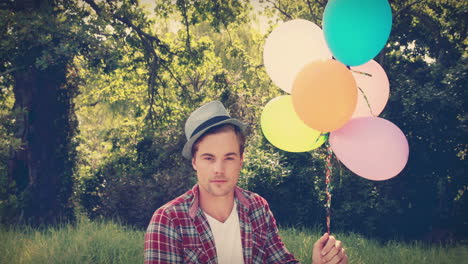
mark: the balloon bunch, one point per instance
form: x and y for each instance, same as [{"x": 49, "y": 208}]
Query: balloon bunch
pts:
[{"x": 335, "y": 90}]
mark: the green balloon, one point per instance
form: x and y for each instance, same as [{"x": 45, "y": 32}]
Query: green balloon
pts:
[
  {"x": 320, "y": 140},
  {"x": 284, "y": 129},
  {"x": 356, "y": 30}
]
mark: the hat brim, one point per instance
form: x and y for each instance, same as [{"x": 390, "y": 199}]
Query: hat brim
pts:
[{"x": 187, "y": 150}]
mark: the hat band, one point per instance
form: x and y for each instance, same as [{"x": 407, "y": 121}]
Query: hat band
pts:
[{"x": 208, "y": 123}]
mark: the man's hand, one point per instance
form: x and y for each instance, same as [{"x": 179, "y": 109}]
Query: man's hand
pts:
[{"x": 328, "y": 250}]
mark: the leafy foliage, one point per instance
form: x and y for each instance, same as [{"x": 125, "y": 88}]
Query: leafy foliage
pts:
[
  {"x": 144, "y": 138},
  {"x": 36, "y": 50},
  {"x": 140, "y": 73}
]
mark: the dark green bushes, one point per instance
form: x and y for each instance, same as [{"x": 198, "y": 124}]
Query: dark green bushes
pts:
[{"x": 132, "y": 187}]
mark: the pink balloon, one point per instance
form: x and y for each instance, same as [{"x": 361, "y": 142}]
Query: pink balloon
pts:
[
  {"x": 371, "y": 147},
  {"x": 374, "y": 84}
]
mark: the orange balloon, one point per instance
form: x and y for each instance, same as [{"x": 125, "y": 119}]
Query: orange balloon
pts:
[{"x": 324, "y": 95}]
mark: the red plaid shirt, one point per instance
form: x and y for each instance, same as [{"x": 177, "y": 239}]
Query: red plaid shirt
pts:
[{"x": 179, "y": 232}]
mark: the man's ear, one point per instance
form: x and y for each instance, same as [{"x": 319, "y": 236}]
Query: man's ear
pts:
[{"x": 193, "y": 163}]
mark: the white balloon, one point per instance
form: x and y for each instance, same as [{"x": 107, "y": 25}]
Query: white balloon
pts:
[{"x": 289, "y": 47}]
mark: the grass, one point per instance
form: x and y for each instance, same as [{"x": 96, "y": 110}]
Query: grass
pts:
[
  {"x": 365, "y": 251},
  {"x": 109, "y": 242},
  {"x": 87, "y": 242}
]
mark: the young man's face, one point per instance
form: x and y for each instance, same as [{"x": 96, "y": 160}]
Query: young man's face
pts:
[{"x": 218, "y": 162}]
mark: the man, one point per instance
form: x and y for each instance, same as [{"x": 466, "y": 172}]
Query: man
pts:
[{"x": 216, "y": 221}]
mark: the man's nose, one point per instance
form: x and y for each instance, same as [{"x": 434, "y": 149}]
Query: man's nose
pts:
[{"x": 219, "y": 167}]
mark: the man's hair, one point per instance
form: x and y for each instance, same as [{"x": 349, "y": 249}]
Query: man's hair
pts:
[{"x": 218, "y": 129}]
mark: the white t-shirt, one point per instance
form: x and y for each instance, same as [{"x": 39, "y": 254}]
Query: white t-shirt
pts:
[{"x": 227, "y": 238}]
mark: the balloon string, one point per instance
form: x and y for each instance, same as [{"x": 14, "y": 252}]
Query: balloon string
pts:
[
  {"x": 367, "y": 101},
  {"x": 365, "y": 97},
  {"x": 328, "y": 186},
  {"x": 363, "y": 73}
]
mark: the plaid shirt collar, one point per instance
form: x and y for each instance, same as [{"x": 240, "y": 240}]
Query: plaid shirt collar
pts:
[{"x": 240, "y": 198}]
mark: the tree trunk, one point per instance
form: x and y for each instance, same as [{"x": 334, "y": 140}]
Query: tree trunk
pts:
[{"x": 42, "y": 168}]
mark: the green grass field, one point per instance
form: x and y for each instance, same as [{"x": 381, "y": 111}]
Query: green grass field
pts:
[{"x": 108, "y": 242}]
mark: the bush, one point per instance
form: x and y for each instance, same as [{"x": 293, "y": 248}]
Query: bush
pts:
[
  {"x": 131, "y": 187},
  {"x": 286, "y": 180}
]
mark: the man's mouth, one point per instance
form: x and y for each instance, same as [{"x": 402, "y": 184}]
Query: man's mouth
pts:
[{"x": 218, "y": 181}]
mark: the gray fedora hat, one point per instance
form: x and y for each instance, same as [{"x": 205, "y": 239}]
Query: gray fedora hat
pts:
[{"x": 203, "y": 118}]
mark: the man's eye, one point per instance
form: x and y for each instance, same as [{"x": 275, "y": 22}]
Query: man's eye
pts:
[
  {"x": 208, "y": 158},
  {"x": 229, "y": 158}
]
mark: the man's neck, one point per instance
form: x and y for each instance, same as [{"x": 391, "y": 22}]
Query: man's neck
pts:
[{"x": 218, "y": 207}]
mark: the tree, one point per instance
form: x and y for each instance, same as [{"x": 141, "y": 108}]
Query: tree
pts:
[
  {"x": 210, "y": 69},
  {"x": 38, "y": 44},
  {"x": 46, "y": 43},
  {"x": 426, "y": 63},
  {"x": 425, "y": 60}
]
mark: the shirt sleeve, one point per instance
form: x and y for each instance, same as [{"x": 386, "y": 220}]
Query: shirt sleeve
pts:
[
  {"x": 275, "y": 249},
  {"x": 162, "y": 241}
]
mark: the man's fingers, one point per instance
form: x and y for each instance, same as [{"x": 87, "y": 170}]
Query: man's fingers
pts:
[
  {"x": 318, "y": 247},
  {"x": 322, "y": 240},
  {"x": 339, "y": 258},
  {"x": 331, "y": 255},
  {"x": 335, "y": 260},
  {"x": 338, "y": 245},
  {"x": 336, "y": 253},
  {"x": 330, "y": 244},
  {"x": 344, "y": 260},
  {"x": 331, "y": 250}
]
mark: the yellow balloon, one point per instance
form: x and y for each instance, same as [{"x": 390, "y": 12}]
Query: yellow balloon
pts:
[{"x": 284, "y": 129}]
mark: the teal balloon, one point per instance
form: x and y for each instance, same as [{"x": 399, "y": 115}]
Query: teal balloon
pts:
[{"x": 356, "y": 30}]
